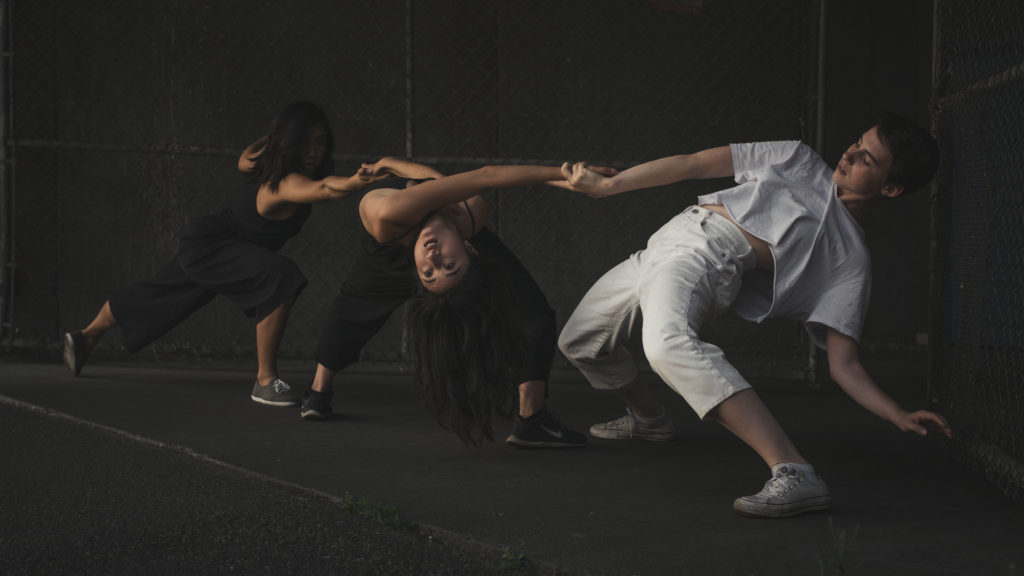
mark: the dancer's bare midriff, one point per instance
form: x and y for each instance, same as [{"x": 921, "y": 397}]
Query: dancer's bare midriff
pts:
[{"x": 762, "y": 250}]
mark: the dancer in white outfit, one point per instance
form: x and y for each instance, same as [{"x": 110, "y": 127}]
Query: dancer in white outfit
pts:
[{"x": 787, "y": 241}]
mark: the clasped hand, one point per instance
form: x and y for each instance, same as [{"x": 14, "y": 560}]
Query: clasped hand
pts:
[{"x": 590, "y": 180}]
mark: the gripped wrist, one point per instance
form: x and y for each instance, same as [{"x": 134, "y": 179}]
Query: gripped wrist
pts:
[{"x": 608, "y": 186}]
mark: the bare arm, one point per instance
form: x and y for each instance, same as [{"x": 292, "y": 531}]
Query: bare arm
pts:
[
  {"x": 247, "y": 160},
  {"x": 847, "y": 370},
  {"x": 403, "y": 168},
  {"x": 408, "y": 206},
  {"x": 710, "y": 163},
  {"x": 297, "y": 188}
]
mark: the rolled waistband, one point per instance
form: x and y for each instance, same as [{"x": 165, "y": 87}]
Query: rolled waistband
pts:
[{"x": 726, "y": 234}]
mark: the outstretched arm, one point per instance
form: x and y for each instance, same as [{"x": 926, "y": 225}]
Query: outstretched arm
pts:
[
  {"x": 296, "y": 188},
  {"x": 710, "y": 163},
  {"x": 402, "y": 168},
  {"x": 407, "y": 207},
  {"x": 849, "y": 373}
]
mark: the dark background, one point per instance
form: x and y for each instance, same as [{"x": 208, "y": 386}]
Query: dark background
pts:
[
  {"x": 127, "y": 119},
  {"x": 123, "y": 121}
]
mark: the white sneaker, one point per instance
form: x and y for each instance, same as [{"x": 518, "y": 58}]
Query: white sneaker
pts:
[
  {"x": 789, "y": 492},
  {"x": 629, "y": 428}
]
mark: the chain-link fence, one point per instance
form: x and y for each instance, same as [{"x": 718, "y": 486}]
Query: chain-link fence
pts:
[
  {"x": 978, "y": 367},
  {"x": 128, "y": 117}
]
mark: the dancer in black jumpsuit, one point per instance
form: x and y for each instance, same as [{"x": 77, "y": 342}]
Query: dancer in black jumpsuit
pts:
[
  {"x": 473, "y": 304},
  {"x": 234, "y": 252}
]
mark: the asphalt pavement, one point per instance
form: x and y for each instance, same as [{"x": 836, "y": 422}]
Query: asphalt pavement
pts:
[{"x": 167, "y": 467}]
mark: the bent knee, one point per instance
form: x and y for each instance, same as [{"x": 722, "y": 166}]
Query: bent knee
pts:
[
  {"x": 573, "y": 344},
  {"x": 662, "y": 352}
]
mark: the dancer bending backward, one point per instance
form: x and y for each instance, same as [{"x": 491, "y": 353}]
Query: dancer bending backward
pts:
[
  {"x": 479, "y": 322},
  {"x": 234, "y": 252},
  {"x": 788, "y": 241}
]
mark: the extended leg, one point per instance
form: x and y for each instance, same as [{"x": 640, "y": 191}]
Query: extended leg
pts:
[
  {"x": 535, "y": 426},
  {"x": 531, "y": 397},
  {"x": 79, "y": 344},
  {"x": 746, "y": 416},
  {"x": 794, "y": 487},
  {"x": 269, "y": 388},
  {"x": 99, "y": 326},
  {"x": 316, "y": 405},
  {"x": 594, "y": 340},
  {"x": 269, "y": 333},
  {"x": 323, "y": 380},
  {"x": 373, "y": 290}
]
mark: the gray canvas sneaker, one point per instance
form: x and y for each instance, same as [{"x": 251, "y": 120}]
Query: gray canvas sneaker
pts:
[
  {"x": 277, "y": 393},
  {"x": 629, "y": 428},
  {"x": 789, "y": 492}
]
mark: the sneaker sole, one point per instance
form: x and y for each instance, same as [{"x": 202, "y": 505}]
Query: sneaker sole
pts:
[
  {"x": 274, "y": 402},
  {"x": 313, "y": 415},
  {"x": 660, "y": 437},
  {"x": 69, "y": 354},
  {"x": 516, "y": 442},
  {"x": 755, "y": 510}
]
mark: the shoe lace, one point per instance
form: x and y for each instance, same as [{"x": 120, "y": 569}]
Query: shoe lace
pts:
[
  {"x": 785, "y": 480},
  {"x": 280, "y": 386},
  {"x": 627, "y": 422}
]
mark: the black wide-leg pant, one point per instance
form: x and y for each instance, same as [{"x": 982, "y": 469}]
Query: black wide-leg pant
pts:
[
  {"x": 255, "y": 278},
  {"x": 383, "y": 277}
]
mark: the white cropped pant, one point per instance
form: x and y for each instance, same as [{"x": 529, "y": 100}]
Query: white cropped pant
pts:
[{"x": 689, "y": 273}]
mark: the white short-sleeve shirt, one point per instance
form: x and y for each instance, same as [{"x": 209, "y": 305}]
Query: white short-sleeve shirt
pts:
[{"x": 786, "y": 197}]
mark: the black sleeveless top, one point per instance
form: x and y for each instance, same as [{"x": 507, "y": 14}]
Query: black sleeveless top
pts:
[
  {"x": 251, "y": 226},
  {"x": 243, "y": 221}
]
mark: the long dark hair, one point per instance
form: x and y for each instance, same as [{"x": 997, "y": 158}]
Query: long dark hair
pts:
[
  {"x": 466, "y": 352},
  {"x": 282, "y": 153}
]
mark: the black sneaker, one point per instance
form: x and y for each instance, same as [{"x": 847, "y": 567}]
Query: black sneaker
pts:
[
  {"x": 544, "y": 430},
  {"x": 74, "y": 351},
  {"x": 316, "y": 405}
]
